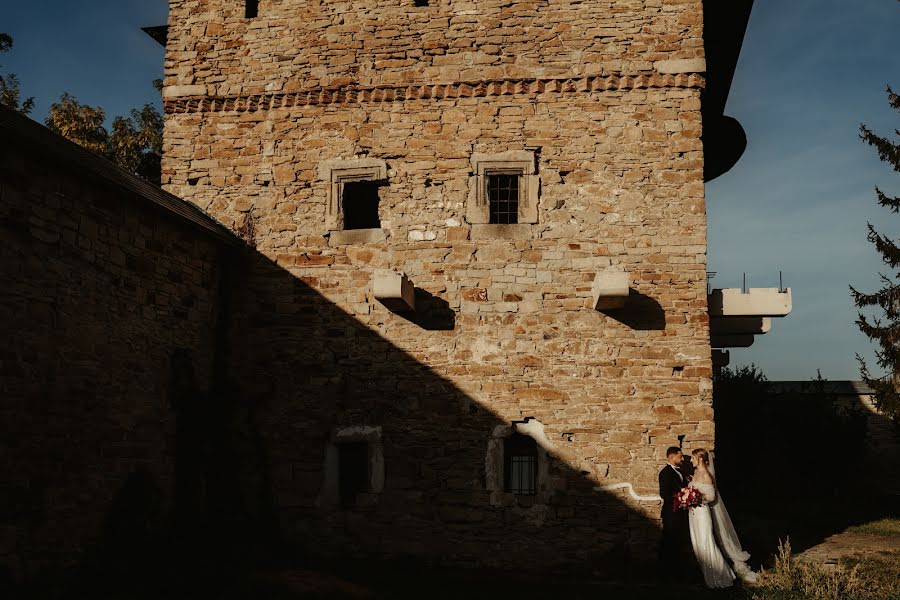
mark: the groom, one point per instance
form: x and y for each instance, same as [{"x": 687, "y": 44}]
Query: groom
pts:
[{"x": 675, "y": 533}]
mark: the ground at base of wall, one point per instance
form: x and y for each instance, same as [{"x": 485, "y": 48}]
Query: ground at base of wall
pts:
[
  {"x": 877, "y": 539},
  {"x": 224, "y": 583},
  {"x": 447, "y": 589}
]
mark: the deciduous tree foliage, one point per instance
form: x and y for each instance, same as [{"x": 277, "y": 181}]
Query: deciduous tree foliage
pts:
[
  {"x": 134, "y": 142},
  {"x": 884, "y": 327},
  {"x": 78, "y": 123},
  {"x": 10, "y": 90}
]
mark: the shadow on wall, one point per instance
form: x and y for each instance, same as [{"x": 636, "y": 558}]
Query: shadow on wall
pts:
[
  {"x": 644, "y": 313},
  {"x": 295, "y": 381},
  {"x": 794, "y": 461},
  {"x": 315, "y": 377}
]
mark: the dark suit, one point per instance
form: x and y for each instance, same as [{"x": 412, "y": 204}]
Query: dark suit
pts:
[{"x": 675, "y": 534}]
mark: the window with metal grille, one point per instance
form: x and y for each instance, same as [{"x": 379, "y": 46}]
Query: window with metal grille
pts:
[
  {"x": 353, "y": 469},
  {"x": 251, "y": 9},
  {"x": 360, "y": 202},
  {"x": 520, "y": 465},
  {"x": 503, "y": 197}
]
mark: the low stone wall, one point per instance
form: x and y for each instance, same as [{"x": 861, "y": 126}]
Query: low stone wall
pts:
[{"x": 100, "y": 288}]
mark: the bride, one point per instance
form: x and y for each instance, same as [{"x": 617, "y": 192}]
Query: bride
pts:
[{"x": 712, "y": 533}]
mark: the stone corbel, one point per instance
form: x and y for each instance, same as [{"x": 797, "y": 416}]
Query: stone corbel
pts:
[
  {"x": 610, "y": 290},
  {"x": 394, "y": 290}
]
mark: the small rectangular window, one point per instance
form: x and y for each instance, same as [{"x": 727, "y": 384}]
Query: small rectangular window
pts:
[
  {"x": 353, "y": 468},
  {"x": 520, "y": 465},
  {"x": 251, "y": 9},
  {"x": 421, "y": 3},
  {"x": 503, "y": 197},
  {"x": 360, "y": 204}
]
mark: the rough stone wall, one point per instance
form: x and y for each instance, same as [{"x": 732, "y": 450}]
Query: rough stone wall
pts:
[
  {"x": 298, "y": 44},
  {"x": 97, "y": 293},
  {"x": 505, "y": 328}
]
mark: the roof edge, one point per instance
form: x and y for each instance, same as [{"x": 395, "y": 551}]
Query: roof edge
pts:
[{"x": 21, "y": 130}]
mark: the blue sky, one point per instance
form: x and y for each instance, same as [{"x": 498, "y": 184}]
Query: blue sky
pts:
[
  {"x": 797, "y": 202},
  {"x": 799, "y": 199}
]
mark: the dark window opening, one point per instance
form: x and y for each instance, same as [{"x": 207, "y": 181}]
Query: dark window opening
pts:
[
  {"x": 251, "y": 9},
  {"x": 353, "y": 466},
  {"x": 503, "y": 198},
  {"x": 421, "y": 3},
  {"x": 360, "y": 201},
  {"x": 520, "y": 465}
]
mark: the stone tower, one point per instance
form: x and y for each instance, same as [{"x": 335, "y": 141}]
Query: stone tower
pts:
[{"x": 477, "y": 311}]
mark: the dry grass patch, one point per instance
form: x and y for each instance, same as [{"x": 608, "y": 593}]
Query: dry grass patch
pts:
[
  {"x": 884, "y": 527},
  {"x": 868, "y": 578}
]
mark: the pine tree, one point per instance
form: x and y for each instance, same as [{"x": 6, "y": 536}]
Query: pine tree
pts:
[{"x": 884, "y": 329}]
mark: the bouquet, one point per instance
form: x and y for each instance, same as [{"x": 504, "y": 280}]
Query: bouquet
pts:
[{"x": 686, "y": 498}]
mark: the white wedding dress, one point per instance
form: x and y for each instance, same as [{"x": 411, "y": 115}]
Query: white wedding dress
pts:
[{"x": 713, "y": 538}]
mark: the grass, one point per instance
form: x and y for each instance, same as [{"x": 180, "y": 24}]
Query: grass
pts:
[
  {"x": 867, "y": 578},
  {"x": 884, "y": 527}
]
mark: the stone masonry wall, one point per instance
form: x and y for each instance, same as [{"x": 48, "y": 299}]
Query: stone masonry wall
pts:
[
  {"x": 299, "y": 44},
  {"x": 505, "y": 329},
  {"x": 98, "y": 292}
]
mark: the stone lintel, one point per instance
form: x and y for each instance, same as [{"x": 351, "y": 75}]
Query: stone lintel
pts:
[
  {"x": 360, "y": 169},
  {"x": 394, "y": 290},
  {"x": 756, "y": 302},
  {"x": 610, "y": 290},
  {"x": 680, "y": 65},
  {"x": 523, "y": 159},
  {"x": 180, "y": 91},
  {"x": 345, "y": 237}
]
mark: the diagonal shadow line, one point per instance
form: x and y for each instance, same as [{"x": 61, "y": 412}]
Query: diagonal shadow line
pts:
[{"x": 311, "y": 368}]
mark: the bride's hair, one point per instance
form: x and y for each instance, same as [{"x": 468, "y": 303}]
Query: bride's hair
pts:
[{"x": 702, "y": 454}]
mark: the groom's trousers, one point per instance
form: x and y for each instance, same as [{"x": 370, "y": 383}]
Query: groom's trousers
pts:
[{"x": 675, "y": 543}]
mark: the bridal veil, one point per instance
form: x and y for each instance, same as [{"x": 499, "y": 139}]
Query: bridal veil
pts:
[{"x": 727, "y": 536}]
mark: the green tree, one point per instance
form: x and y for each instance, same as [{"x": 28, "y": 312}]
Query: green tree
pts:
[
  {"x": 134, "y": 142},
  {"x": 79, "y": 123},
  {"x": 883, "y": 328},
  {"x": 10, "y": 88}
]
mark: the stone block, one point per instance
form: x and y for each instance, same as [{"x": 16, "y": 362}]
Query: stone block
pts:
[
  {"x": 179, "y": 91},
  {"x": 681, "y": 65},
  {"x": 394, "y": 290},
  {"x": 610, "y": 290},
  {"x": 517, "y": 231}
]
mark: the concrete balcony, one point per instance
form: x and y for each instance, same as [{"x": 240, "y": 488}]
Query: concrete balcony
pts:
[
  {"x": 755, "y": 302},
  {"x": 739, "y": 325},
  {"x": 733, "y": 340}
]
